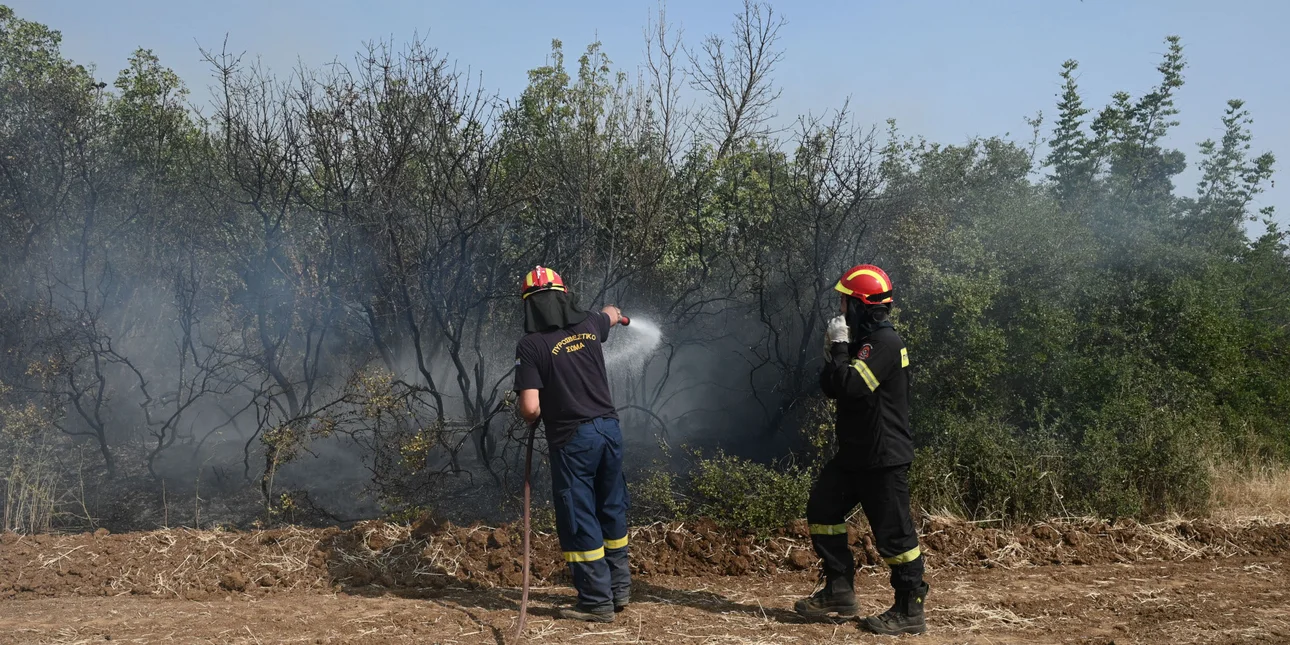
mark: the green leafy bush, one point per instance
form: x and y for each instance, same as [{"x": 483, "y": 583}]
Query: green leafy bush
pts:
[
  {"x": 743, "y": 494},
  {"x": 980, "y": 467},
  {"x": 1145, "y": 459},
  {"x": 657, "y": 495},
  {"x": 734, "y": 492}
]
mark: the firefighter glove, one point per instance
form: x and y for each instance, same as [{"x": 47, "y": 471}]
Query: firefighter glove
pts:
[{"x": 838, "y": 332}]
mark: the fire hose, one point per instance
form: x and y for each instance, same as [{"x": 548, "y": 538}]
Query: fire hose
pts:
[
  {"x": 528, "y": 472},
  {"x": 528, "y": 476}
]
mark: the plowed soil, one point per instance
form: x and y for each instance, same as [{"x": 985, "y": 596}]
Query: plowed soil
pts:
[{"x": 1059, "y": 582}]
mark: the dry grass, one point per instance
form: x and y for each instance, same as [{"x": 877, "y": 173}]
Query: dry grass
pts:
[
  {"x": 387, "y": 548},
  {"x": 973, "y": 617},
  {"x": 183, "y": 560},
  {"x": 1243, "y": 494}
]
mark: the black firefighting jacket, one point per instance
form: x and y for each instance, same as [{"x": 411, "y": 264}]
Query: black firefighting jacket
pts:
[{"x": 870, "y": 380}]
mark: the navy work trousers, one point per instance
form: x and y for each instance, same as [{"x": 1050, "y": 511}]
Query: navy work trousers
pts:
[{"x": 591, "y": 501}]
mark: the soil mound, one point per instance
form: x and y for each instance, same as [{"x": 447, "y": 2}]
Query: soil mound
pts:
[{"x": 196, "y": 564}]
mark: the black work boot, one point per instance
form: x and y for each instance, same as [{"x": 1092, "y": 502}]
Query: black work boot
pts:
[
  {"x": 621, "y": 602},
  {"x": 836, "y": 598},
  {"x": 904, "y": 617},
  {"x": 579, "y": 612}
]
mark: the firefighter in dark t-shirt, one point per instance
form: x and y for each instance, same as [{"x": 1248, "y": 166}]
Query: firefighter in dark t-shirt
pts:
[
  {"x": 866, "y": 371},
  {"x": 561, "y": 379}
]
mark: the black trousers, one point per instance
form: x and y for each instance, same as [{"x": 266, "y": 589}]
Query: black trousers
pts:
[{"x": 883, "y": 493}]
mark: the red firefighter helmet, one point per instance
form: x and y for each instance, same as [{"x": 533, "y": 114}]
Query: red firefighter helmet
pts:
[
  {"x": 866, "y": 282},
  {"x": 541, "y": 279}
]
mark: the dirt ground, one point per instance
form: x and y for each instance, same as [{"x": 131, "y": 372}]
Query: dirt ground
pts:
[
  {"x": 1236, "y": 600},
  {"x": 1073, "y": 582}
]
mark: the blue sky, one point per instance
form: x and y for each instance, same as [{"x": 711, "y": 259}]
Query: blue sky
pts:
[{"x": 946, "y": 69}]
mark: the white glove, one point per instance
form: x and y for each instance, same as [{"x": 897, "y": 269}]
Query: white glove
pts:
[{"x": 838, "y": 332}]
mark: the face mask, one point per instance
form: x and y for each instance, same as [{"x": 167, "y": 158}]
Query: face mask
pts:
[{"x": 860, "y": 319}]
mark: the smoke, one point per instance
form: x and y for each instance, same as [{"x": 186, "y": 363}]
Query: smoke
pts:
[
  {"x": 362, "y": 369},
  {"x": 631, "y": 347}
]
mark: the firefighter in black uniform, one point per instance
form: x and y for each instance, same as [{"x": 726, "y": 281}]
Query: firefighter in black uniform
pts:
[{"x": 866, "y": 371}]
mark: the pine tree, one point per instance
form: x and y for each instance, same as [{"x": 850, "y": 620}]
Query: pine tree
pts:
[
  {"x": 1230, "y": 180},
  {"x": 1069, "y": 157}
]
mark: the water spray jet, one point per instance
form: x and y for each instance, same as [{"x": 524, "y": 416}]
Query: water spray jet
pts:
[{"x": 629, "y": 351}]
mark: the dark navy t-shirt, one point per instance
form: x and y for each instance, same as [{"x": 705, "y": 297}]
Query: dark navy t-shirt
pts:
[{"x": 567, "y": 368}]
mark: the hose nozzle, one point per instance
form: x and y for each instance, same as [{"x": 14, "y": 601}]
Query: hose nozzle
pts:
[{"x": 624, "y": 320}]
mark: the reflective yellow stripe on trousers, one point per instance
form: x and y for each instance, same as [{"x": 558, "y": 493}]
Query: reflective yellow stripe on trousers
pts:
[
  {"x": 828, "y": 529},
  {"x": 616, "y": 544},
  {"x": 585, "y": 556},
  {"x": 908, "y": 556}
]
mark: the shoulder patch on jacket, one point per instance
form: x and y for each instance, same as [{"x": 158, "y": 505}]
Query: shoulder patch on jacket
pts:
[{"x": 865, "y": 350}]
